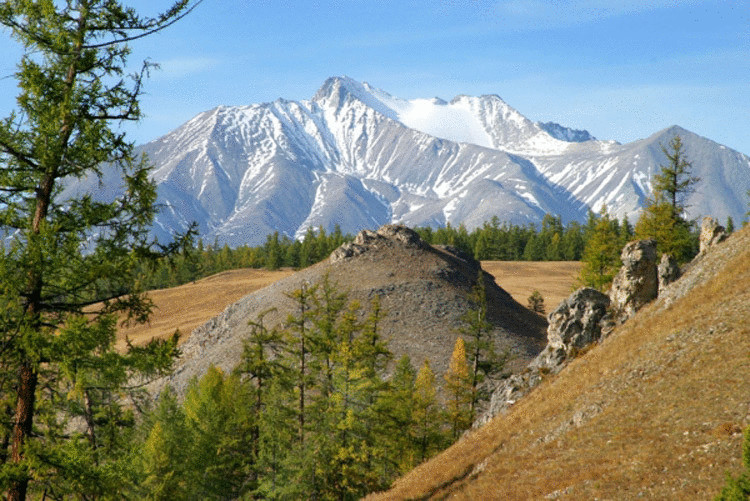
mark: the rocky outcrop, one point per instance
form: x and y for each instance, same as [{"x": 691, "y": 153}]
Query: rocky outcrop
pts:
[
  {"x": 369, "y": 240},
  {"x": 711, "y": 234},
  {"x": 637, "y": 282},
  {"x": 579, "y": 321},
  {"x": 668, "y": 271}
]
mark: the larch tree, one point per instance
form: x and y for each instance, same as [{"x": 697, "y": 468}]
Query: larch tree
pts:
[
  {"x": 68, "y": 263},
  {"x": 426, "y": 414},
  {"x": 483, "y": 359},
  {"x": 663, "y": 218},
  {"x": 601, "y": 256},
  {"x": 459, "y": 391}
]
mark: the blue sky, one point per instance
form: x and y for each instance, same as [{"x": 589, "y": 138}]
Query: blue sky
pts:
[{"x": 620, "y": 69}]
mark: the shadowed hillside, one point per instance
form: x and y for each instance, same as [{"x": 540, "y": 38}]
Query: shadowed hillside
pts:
[{"x": 655, "y": 411}]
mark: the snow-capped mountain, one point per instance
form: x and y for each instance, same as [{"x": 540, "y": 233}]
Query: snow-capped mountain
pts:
[{"x": 358, "y": 157}]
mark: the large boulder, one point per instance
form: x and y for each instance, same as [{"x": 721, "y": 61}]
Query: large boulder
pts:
[
  {"x": 637, "y": 282},
  {"x": 711, "y": 234},
  {"x": 668, "y": 271}
]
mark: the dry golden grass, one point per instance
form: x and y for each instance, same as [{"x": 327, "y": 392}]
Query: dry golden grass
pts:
[
  {"x": 190, "y": 305},
  {"x": 554, "y": 280},
  {"x": 655, "y": 411}
]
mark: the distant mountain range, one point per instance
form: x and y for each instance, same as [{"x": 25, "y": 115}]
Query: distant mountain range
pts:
[{"x": 358, "y": 157}]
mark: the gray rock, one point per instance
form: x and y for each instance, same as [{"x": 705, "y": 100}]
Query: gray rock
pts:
[
  {"x": 668, "y": 271},
  {"x": 579, "y": 321},
  {"x": 711, "y": 234},
  {"x": 637, "y": 282},
  {"x": 367, "y": 240}
]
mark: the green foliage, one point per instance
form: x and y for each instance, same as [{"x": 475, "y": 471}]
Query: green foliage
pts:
[
  {"x": 309, "y": 413},
  {"x": 663, "y": 217},
  {"x": 484, "y": 361},
  {"x": 673, "y": 234},
  {"x": 738, "y": 488},
  {"x": 69, "y": 264},
  {"x": 601, "y": 257},
  {"x": 536, "y": 302}
]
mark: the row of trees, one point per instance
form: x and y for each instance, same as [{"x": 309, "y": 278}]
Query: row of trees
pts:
[
  {"x": 311, "y": 411},
  {"x": 552, "y": 241}
]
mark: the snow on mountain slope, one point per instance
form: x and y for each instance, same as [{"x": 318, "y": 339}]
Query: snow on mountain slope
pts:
[{"x": 358, "y": 157}]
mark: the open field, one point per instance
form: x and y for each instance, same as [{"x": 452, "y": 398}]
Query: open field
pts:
[
  {"x": 190, "y": 305},
  {"x": 554, "y": 280}
]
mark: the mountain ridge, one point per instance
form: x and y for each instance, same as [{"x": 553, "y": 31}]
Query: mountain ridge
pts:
[{"x": 358, "y": 157}]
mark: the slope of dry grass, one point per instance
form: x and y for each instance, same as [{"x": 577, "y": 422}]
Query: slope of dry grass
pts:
[
  {"x": 190, "y": 305},
  {"x": 655, "y": 411}
]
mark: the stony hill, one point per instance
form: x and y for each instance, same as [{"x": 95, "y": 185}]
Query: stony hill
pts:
[
  {"x": 655, "y": 411},
  {"x": 424, "y": 290}
]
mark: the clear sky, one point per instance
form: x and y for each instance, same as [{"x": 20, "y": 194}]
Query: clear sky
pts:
[{"x": 620, "y": 69}]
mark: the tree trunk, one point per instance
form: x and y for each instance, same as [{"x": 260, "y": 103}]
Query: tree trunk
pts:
[{"x": 27, "y": 380}]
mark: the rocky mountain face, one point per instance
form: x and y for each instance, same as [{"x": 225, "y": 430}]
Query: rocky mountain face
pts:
[
  {"x": 423, "y": 291},
  {"x": 357, "y": 157}
]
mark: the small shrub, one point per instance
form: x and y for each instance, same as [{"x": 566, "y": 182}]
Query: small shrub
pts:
[{"x": 536, "y": 302}]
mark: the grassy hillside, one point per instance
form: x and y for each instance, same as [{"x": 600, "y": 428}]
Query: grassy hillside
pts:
[
  {"x": 190, "y": 305},
  {"x": 655, "y": 411}
]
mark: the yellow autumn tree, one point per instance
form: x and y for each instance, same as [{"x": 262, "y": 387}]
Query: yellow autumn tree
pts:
[
  {"x": 426, "y": 415},
  {"x": 458, "y": 388}
]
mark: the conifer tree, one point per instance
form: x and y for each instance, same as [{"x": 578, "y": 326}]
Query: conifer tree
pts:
[
  {"x": 459, "y": 391},
  {"x": 427, "y": 415},
  {"x": 163, "y": 456},
  {"x": 663, "y": 218},
  {"x": 601, "y": 256},
  {"x": 483, "y": 359},
  {"x": 536, "y": 302},
  {"x": 64, "y": 254},
  {"x": 401, "y": 439},
  {"x": 219, "y": 436}
]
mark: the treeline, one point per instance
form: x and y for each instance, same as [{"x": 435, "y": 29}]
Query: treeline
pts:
[
  {"x": 551, "y": 241},
  {"x": 310, "y": 412},
  {"x": 199, "y": 260}
]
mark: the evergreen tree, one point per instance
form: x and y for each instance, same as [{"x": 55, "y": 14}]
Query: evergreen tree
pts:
[
  {"x": 536, "y": 302},
  {"x": 164, "y": 455},
  {"x": 427, "y": 416},
  {"x": 663, "y": 217},
  {"x": 730, "y": 225},
  {"x": 484, "y": 361},
  {"x": 219, "y": 436},
  {"x": 601, "y": 257},
  {"x": 63, "y": 255},
  {"x": 674, "y": 181},
  {"x": 399, "y": 404}
]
